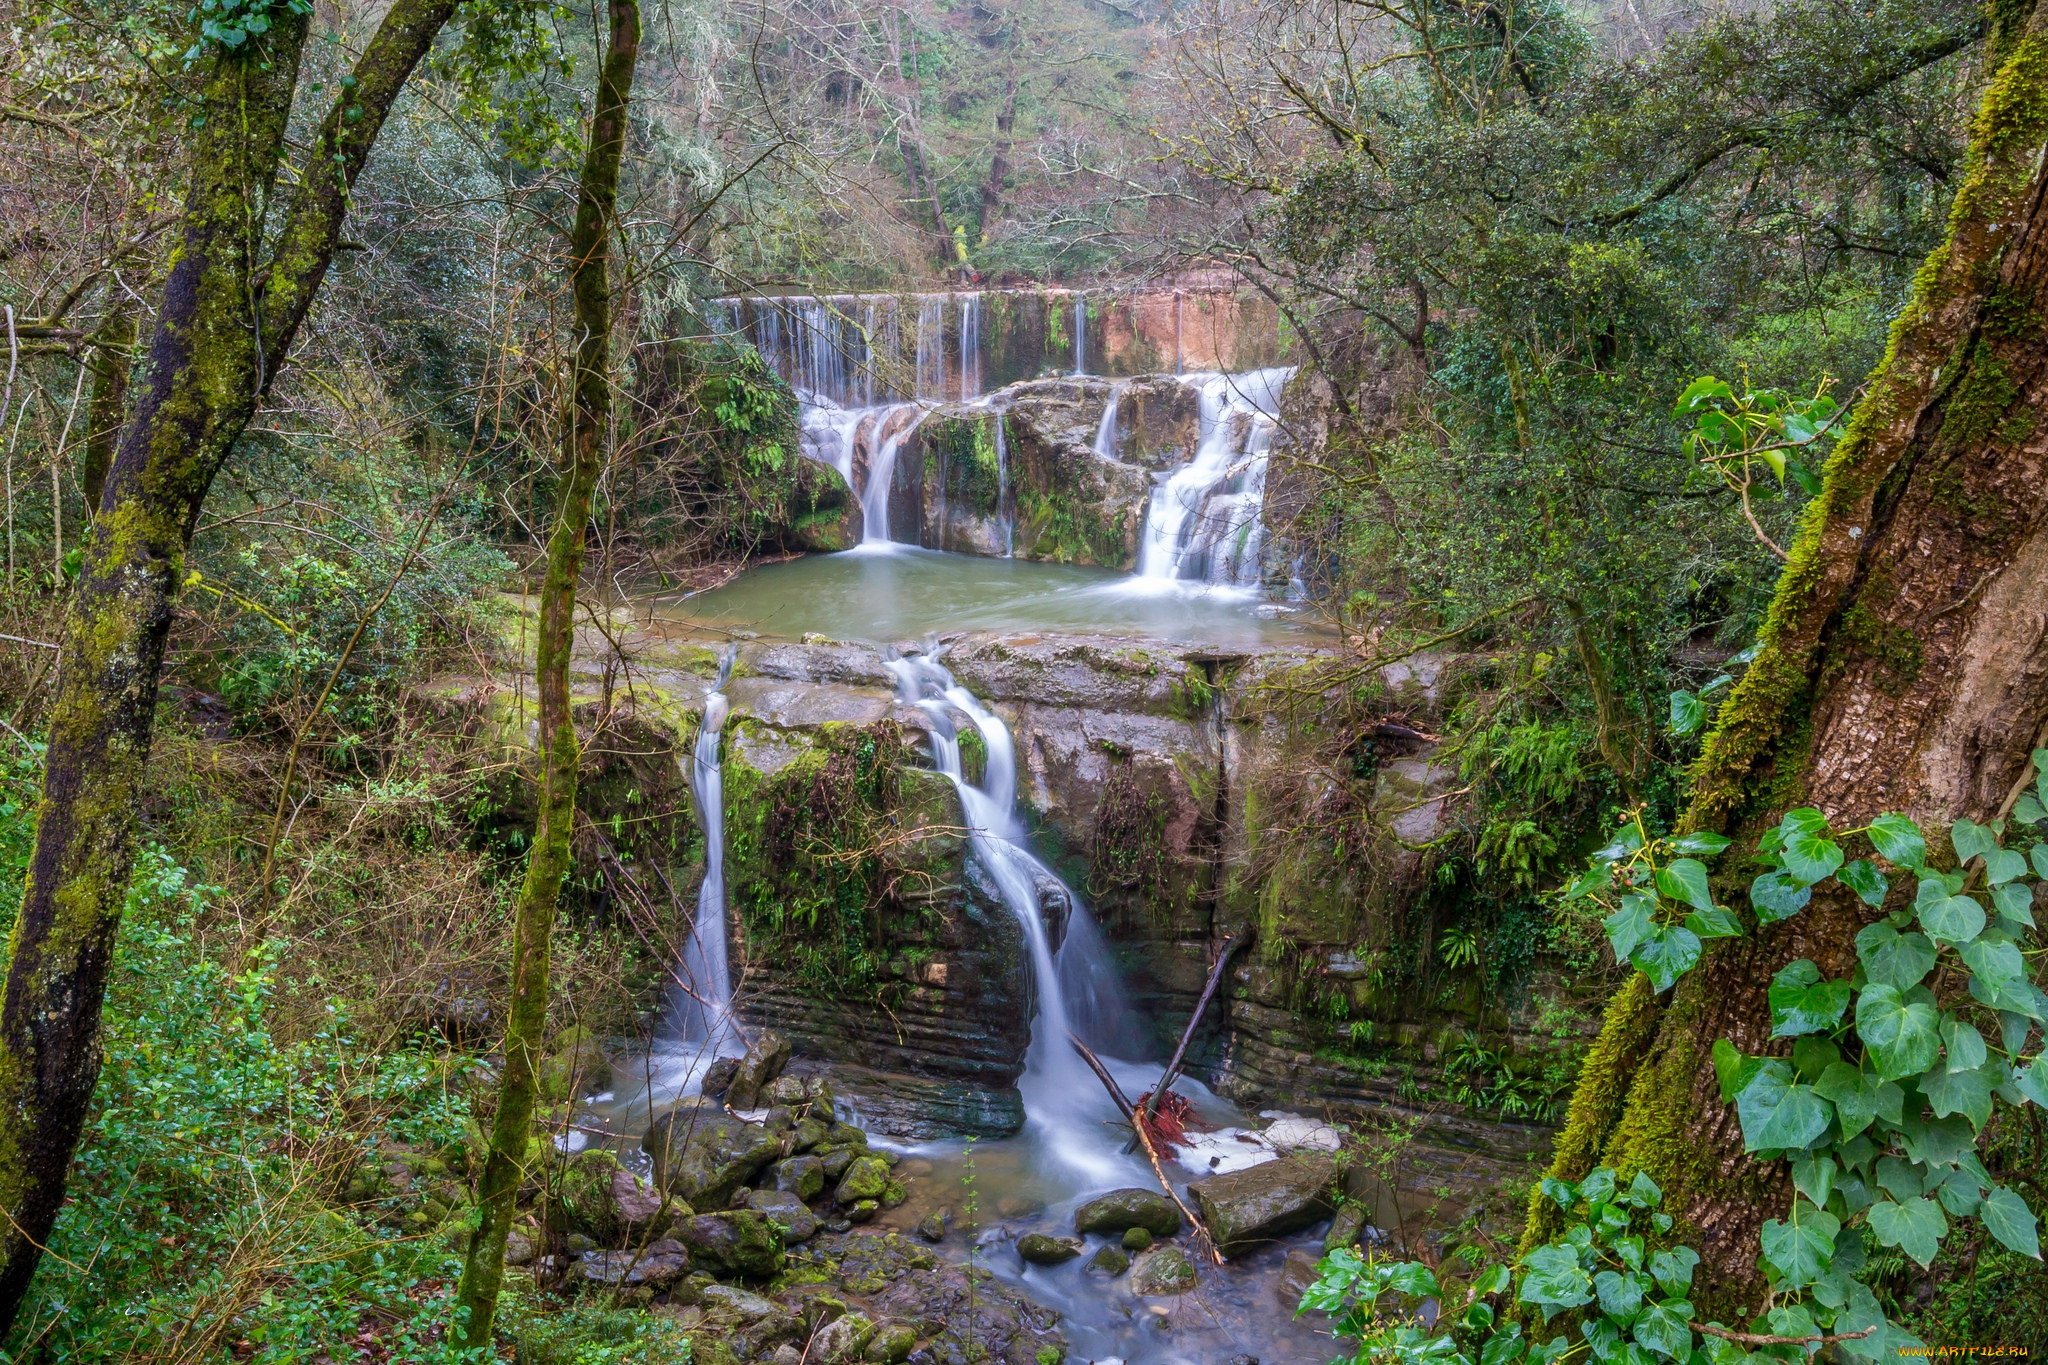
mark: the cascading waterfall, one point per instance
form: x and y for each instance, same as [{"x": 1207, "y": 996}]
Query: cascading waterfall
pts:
[
  {"x": 970, "y": 347},
  {"x": 1080, "y": 334},
  {"x": 703, "y": 1000},
  {"x": 892, "y": 427},
  {"x": 1062, "y": 1101},
  {"x": 1105, "y": 434},
  {"x": 1203, "y": 521},
  {"x": 1004, "y": 509}
]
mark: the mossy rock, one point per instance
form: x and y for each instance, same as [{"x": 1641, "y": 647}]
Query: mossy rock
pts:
[
  {"x": 866, "y": 1177},
  {"x": 575, "y": 1065}
]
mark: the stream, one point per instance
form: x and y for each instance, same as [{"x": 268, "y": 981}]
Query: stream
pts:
[{"x": 1196, "y": 584}]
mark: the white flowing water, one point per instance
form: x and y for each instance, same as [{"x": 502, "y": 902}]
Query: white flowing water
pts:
[
  {"x": 893, "y": 427},
  {"x": 1203, "y": 521},
  {"x": 970, "y": 346},
  {"x": 1065, "y": 1106},
  {"x": 702, "y": 1007},
  {"x": 1080, "y": 334},
  {"x": 1105, "y": 434},
  {"x": 1004, "y": 507}
]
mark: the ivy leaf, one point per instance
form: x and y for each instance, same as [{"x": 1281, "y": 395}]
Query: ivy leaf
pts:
[
  {"x": 2013, "y": 1030},
  {"x": 1805, "y": 820},
  {"x": 2015, "y": 902},
  {"x": 1714, "y": 923},
  {"x": 1915, "y": 1227},
  {"x": 1811, "y": 857},
  {"x": 1938, "y": 1142},
  {"x": 1621, "y": 1296},
  {"x": 1703, "y": 842},
  {"x": 1958, "y": 919},
  {"x": 1865, "y": 880},
  {"x": 2028, "y": 810},
  {"x": 1803, "y": 1003},
  {"x": 2002, "y": 865},
  {"x": 1642, "y": 1192},
  {"x": 1776, "y": 896},
  {"x": 1626, "y": 841},
  {"x": 1778, "y": 1113},
  {"x": 1891, "y": 958},
  {"x": 1971, "y": 839},
  {"x": 1904, "y": 1039},
  {"x": 1589, "y": 881},
  {"x": 1814, "y": 1177},
  {"x": 1959, "y": 1092},
  {"x": 1688, "y": 713},
  {"x": 1898, "y": 840},
  {"x": 1965, "y": 1046},
  {"x": 2008, "y": 1218},
  {"x": 1995, "y": 962},
  {"x": 1560, "y": 1192},
  {"x": 1672, "y": 1270},
  {"x": 1666, "y": 956},
  {"x": 1598, "y": 1187},
  {"x": 1503, "y": 1346},
  {"x": 1800, "y": 1252},
  {"x": 1685, "y": 879},
  {"x": 1554, "y": 1280},
  {"x": 1666, "y": 1328},
  {"x": 2039, "y": 855},
  {"x": 1629, "y": 925},
  {"x": 2033, "y": 1082}
]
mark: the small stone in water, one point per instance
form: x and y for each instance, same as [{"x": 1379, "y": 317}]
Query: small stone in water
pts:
[
  {"x": 1039, "y": 1249},
  {"x": 839, "y": 1225},
  {"x": 933, "y": 1226},
  {"x": 1109, "y": 1261},
  {"x": 862, "y": 1210},
  {"x": 1136, "y": 1239}
]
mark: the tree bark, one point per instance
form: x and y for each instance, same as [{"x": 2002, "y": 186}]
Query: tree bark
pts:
[
  {"x": 483, "y": 1272},
  {"x": 221, "y": 332},
  {"x": 999, "y": 164},
  {"x": 110, "y": 361},
  {"x": 1903, "y": 667}
]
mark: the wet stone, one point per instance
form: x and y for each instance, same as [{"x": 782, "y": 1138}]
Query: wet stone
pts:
[
  {"x": 862, "y": 1210},
  {"x": 1038, "y": 1249},
  {"x": 788, "y": 1212},
  {"x": 1136, "y": 1239},
  {"x": 1122, "y": 1209},
  {"x": 1108, "y": 1261},
  {"x": 802, "y": 1176},
  {"x": 932, "y": 1227},
  {"x": 867, "y": 1178},
  {"x": 1163, "y": 1270},
  {"x": 662, "y": 1264}
]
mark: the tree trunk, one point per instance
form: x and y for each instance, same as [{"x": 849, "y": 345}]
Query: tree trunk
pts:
[
  {"x": 533, "y": 927},
  {"x": 999, "y": 164},
  {"x": 1903, "y": 667},
  {"x": 223, "y": 327}
]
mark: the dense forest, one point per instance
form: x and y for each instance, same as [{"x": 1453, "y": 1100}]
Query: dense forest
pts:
[{"x": 1023, "y": 680}]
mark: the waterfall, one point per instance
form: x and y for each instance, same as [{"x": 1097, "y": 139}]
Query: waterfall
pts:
[
  {"x": 931, "y": 346},
  {"x": 1062, "y": 1100},
  {"x": 703, "y": 1001},
  {"x": 1003, "y": 507},
  {"x": 1080, "y": 334},
  {"x": 892, "y": 426},
  {"x": 970, "y": 346},
  {"x": 1203, "y": 521},
  {"x": 1105, "y": 434}
]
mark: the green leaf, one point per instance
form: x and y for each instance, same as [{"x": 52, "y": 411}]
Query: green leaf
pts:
[
  {"x": 1902, "y": 1180},
  {"x": 1703, "y": 842},
  {"x": 1688, "y": 713},
  {"x": 1733, "y": 1069},
  {"x": 2014, "y": 902},
  {"x": 2028, "y": 810},
  {"x": 1666, "y": 956},
  {"x": 1701, "y": 393},
  {"x": 1598, "y": 1187},
  {"x": 1938, "y": 1142},
  {"x": 1971, "y": 839},
  {"x": 1915, "y": 1227},
  {"x": 1554, "y": 1281},
  {"x": 1964, "y": 1045},
  {"x": 1898, "y": 840},
  {"x": 1492, "y": 1280},
  {"x": 1642, "y": 1192},
  {"x": 1560, "y": 1192},
  {"x": 1814, "y": 1177},
  {"x": 1903, "y": 1039},
  {"x": 2039, "y": 856},
  {"x": 1776, "y": 1112},
  {"x": 2007, "y": 1217},
  {"x": 2002, "y": 865},
  {"x": 1629, "y": 925},
  {"x": 1891, "y": 958},
  {"x": 1805, "y": 820},
  {"x": 1958, "y": 919},
  {"x": 1800, "y": 1252},
  {"x": 1775, "y": 896},
  {"x": 1812, "y": 1056},
  {"x": 1803, "y": 1003},
  {"x": 1666, "y": 1328},
  {"x": 1503, "y": 1346},
  {"x": 1621, "y": 1296},
  {"x": 1685, "y": 879},
  {"x": 1959, "y": 1092},
  {"x": 1995, "y": 962},
  {"x": 2033, "y": 1082},
  {"x": 1865, "y": 880},
  {"x": 1627, "y": 840},
  {"x": 1672, "y": 1270},
  {"x": 1811, "y": 858},
  {"x": 1714, "y": 923},
  {"x": 1589, "y": 881}
]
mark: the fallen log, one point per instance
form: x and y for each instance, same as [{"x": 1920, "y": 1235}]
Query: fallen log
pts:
[
  {"x": 1116, "y": 1094},
  {"x": 1173, "y": 1067}
]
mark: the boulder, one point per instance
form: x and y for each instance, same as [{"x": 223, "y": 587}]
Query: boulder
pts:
[
  {"x": 892, "y": 1341},
  {"x": 658, "y": 1267},
  {"x": 757, "y": 1070},
  {"x": 866, "y": 1177},
  {"x": 809, "y": 1133},
  {"x": 932, "y": 1227},
  {"x": 575, "y": 1065},
  {"x": 1296, "y": 1275},
  {"x": 1133, "y": 1208},
  {"x": 1246, "y": 1209},
  {"x": 702, "y": 1155},
  {"x": 1345, "y": 1227},
  {"x": 738, "y": 1241},
  {"x": 788, "y": 1212},
  {"x": 1109, "y": 1261},
  {"x": 842, "y": 1339},
  {"x": 835, "y": 1160},
  {"x": 718, "y": 1076},
  {"x": 1038, "y": 1249},
  {"x": 748, "y": 1306},
  {"x": 609, "y": 1204},
  {"x": 802, "y": 1176},
  {"x": 1162, "y": 1270}
]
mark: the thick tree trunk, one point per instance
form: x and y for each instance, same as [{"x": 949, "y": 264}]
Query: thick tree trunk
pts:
[
  {"x": 533, "y": 927},
  {"x": 1904, "y": 667},
  {"x": 223, "y": 328}
]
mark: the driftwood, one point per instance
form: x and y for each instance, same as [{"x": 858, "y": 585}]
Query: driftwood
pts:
[
  {"x": 1116, "y": 1094},
  {"x": 1172, "y": 1072}
]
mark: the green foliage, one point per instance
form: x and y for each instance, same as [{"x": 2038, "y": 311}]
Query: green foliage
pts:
[{"x": 230, "y": 23}]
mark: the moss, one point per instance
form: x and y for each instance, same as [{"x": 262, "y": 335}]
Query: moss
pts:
[{"x": 1604, "y": 1083}]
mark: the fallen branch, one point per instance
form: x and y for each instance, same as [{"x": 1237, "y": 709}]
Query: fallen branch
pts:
[
  {"x": 1759, "y": 1339},
  {"x": 1151, "y": 1153},
  {"x": 1230, "y": 945}
]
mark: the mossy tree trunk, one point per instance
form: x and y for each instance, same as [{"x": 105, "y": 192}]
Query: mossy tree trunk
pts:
[
  {"x": 534, "y": 919},
  {"x": 221, "y": 332},
  {"x": 1903, "y": 667},
  {"x": 109, "y": 362}
]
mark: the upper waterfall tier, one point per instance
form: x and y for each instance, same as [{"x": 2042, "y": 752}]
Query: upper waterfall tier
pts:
[{"x": 867, "y": 350}]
